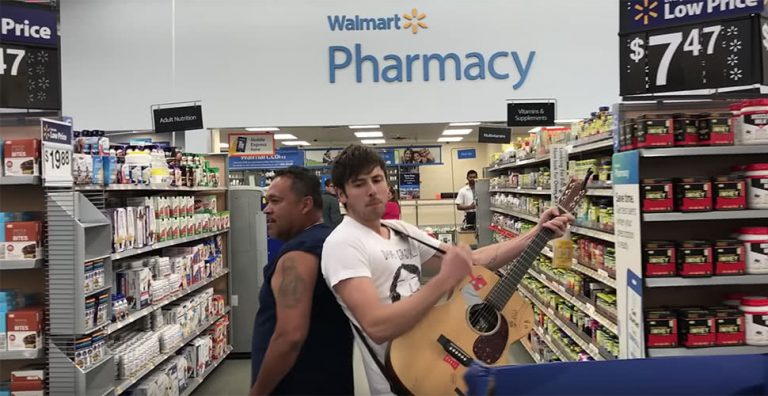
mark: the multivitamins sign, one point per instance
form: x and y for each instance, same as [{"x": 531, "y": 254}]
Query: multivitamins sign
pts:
[{"x": 355, "y": 63}]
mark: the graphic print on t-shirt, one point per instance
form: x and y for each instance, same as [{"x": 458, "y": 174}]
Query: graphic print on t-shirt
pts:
[{"x": 406, "y": 278}]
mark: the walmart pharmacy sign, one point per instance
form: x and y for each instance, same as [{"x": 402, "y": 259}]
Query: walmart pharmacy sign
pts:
[{"x": 500, "y": 65}]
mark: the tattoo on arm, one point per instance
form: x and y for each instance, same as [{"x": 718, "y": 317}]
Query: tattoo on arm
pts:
[{"x": 292, "y": 286}]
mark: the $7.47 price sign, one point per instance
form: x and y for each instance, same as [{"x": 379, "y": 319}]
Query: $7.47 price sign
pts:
[{"x": 692, "y": 57}]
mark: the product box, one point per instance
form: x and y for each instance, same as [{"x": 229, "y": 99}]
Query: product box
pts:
[
  {"x": 693, "y": 194},
  {"x": 730, "y": 193},
  {"x": 22, "y": 239},
  {"x": 655, "y": 130},
  {"x": 729, "y": 257},
  {"x": 3, "y": 332},
  {"x": 657, "y": 195},
  {"x": 130, "y": 214},
  {"x": 206, "y": 204},
  {"x": 22, "y": 157},
  {"x": 686, "y": 130},
  {"x": 716, "y": 129},
  {"x": 28, "y": 383},
  {"x": 134, "y": 284},
  {"x": 119, "y": 229},
  {"x": 697, "y": 327},
  {"x": 661, "y": 329},
  {"x": 82, "y": 168},
  {"x": 24, "y": 329},
  {"x": 729, "y": 326},
  {"x": 694, "y": 258},
  {"x": 659, "y": 259}
]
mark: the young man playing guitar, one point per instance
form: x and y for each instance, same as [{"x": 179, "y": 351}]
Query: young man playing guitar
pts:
[{"x": 374, "y": 266}]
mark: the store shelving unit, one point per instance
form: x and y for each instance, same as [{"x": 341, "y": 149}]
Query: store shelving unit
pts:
[
  {"x": 636, "y": 293},
  {"x": 123, "y": 385},
  {"x": 596, "y": 145},
  {"x": 529, "y": 348},
  {"x": 192, "y": 385},
  {"x": 21, "y": 264},
  {"x": 548, "y": 340},
  {"x": 19, "y": 180},
  {"x": 78, "y": 233}
]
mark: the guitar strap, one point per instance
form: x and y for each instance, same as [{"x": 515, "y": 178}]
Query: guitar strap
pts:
[{"x": 396, "y": 389}]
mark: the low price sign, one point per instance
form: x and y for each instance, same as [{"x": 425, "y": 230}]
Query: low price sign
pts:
[
  {"x": 672, "y": 46},
  {"x": 57, "y": 152}
]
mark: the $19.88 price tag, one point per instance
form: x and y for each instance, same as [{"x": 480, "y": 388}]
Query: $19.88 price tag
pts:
[{"x": 57, "y": 163}]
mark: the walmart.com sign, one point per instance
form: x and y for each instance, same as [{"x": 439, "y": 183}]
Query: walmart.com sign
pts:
[{"x": 354, "y": 62}]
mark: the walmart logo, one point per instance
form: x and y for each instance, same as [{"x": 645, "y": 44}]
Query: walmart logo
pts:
[
  {"x": 414, "y": 21},
  {"x": 646, "y": 10}
]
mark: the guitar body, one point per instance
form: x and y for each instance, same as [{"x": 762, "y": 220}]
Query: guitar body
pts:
[{"x": 421, "y": 363}]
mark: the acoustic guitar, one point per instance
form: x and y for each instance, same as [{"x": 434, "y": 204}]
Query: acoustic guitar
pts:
[{"x": 480, "y": 319}]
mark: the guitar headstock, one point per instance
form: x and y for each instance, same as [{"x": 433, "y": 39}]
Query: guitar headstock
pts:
[{"x": 573, "y": 193}]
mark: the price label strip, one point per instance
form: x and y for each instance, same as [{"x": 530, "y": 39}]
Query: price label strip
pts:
[
  {"x": 702, "y": 56},
  {"x": 57, "y": 153}
]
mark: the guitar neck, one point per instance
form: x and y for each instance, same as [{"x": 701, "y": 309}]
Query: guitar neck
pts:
[{"x": 507, "y": 285}]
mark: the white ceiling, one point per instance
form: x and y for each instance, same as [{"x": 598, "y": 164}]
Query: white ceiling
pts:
[{"x": 395, "y": 134}]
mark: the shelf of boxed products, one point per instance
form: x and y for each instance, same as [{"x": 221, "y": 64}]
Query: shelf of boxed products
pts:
[
  {"x": 550, "y": 343},
  {"x": 533, "y": 191},
  {"x": 711, "y": 351},
  {"x": 19, "y": 180},
  {"x": 528, "y": 217},
  {"x": 113, "y": 327},
  {"x": 704, "y": 150},
  {"x": 708, "y": 281},
  {"x": 570, "y": 330},
  {"x": 160, "y": 245},
  {"x": 145, "y": 187},
  {"x": 197, "y": 381},
  {"x": 518, "y": 164},
  {"x": 599, "y": 191},
  {"x": 581, "y": 303},
  {"x": 714, "y": 215},
  {"x": 124, "y": 385},
  {"x": 22, "y": 355},
  {"x": 20, "y": 264},
  {"x": 591, "y": 232},
  {"x": 602, "y": 141}
]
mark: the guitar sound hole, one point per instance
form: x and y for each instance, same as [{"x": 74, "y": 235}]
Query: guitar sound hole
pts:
[{"x": 483, "y": 318}]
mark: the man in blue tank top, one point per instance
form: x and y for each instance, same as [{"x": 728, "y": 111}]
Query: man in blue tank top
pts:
[{"x": 302, "y": 341}]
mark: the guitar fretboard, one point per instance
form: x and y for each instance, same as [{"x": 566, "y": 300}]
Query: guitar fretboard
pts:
[{"x": 507, "y": 285}]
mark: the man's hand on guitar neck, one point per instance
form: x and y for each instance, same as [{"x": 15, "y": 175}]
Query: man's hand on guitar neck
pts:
[{"x": 552, "y": 220}]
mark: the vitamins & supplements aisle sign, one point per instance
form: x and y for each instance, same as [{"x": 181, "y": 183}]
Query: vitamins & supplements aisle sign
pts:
[
  {"x": 29, "y": 57},
  {"x": 686, "y": 45}
]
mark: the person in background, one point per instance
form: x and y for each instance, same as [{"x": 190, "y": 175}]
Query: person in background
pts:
[
  {"x": 392, "y": 211},
  {"x": 331, "y": 211},
  {"x": 302, "y": 342},
  {"x": 465, "y": 201}
]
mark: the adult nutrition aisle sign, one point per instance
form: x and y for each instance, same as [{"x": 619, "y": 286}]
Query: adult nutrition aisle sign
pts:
[{"x": 684, "y": 45}]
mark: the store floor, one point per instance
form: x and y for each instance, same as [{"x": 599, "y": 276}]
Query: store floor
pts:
[{"x": 233, "y": 376}]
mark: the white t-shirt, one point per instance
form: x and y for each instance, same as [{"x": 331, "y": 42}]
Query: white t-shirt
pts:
[
  {"x": 353, "y": 250},
  {"x": 465, "y": 197}
]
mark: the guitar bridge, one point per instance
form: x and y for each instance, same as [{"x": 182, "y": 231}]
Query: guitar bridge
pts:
[{"x": 455, "y": 351}]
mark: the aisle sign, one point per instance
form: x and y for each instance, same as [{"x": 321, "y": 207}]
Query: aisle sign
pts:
[
  {"x": 466, "y": 153},
  {"x": 661, "y": 50},
  {"x": 251, "y": 144},
  {"x": 175, "y": 119},
  {"x": 29, "y": 57},
  {"x": 57, "y": 152},
  {"x": 494, "y": 135},
  {"x": 531, "y": 114}
]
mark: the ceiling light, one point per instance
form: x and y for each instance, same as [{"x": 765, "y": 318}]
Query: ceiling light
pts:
[
  {"x": 373, "y": 141},
  {"x": 450, "y": 139},
  {"x": 364, "y": 126},
  {"x": 296, "y": 143},
  {"x": 267, "y": 129},
  {"x": 284, "y": 136},
  {"x": 371, "y": 134},
  {"x": 454, "y": 132},
  {"x": 464, "y": 124}
]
